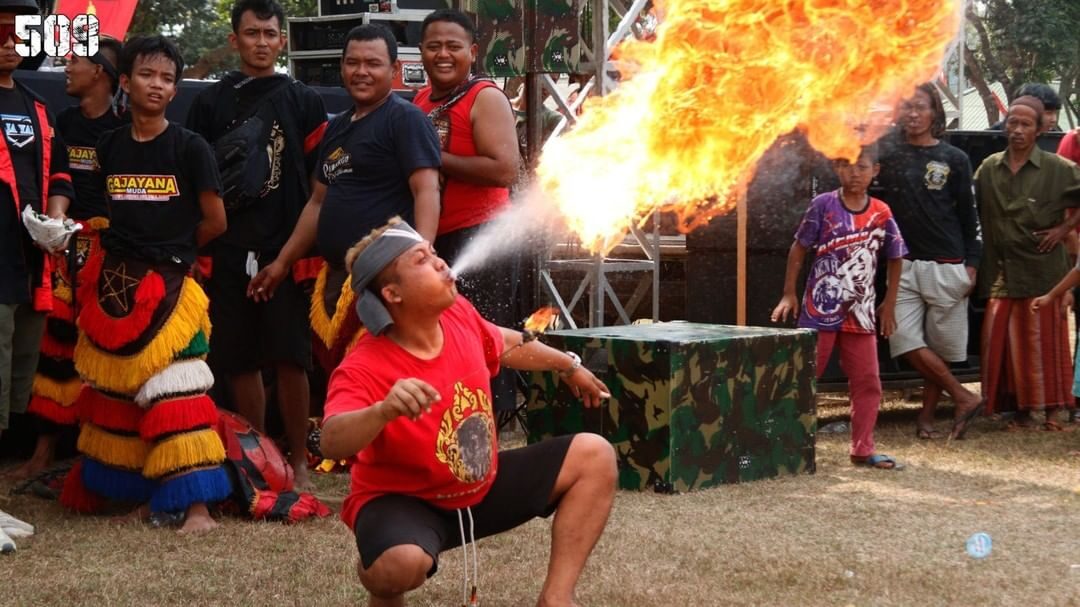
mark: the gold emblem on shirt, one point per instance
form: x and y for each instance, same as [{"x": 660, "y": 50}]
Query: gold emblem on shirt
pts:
[
  {"x": 465, "y": 441},
  {"x": 937, "y": 175}
]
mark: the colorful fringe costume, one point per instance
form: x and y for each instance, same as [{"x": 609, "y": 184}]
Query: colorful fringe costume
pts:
[
  {"x": 333, "y": 317},
  {"x": 147, "y": 423},
  {"x": 56, "y": 383}
]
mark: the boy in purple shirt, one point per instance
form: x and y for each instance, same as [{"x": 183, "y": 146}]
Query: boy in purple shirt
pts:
[{"x": 847, "y": 230}]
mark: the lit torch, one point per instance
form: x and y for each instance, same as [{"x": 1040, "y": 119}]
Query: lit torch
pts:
[{"x": 538, "y": 322}]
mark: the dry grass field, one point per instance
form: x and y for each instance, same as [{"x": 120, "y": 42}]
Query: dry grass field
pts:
[{"x": 842, "y": 536}]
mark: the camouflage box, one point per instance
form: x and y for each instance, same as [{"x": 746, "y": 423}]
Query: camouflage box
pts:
[
  {"x": 692, "y": 405},
  {"x": 519, "y": 36},
  {"x": 501, "y": 37}
]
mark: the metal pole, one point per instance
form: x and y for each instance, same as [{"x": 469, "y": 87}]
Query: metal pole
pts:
[{"x": 962, "y": 85}]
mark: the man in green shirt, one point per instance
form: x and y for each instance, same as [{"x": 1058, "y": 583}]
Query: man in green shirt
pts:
[{"x": 1023, "y": 194}]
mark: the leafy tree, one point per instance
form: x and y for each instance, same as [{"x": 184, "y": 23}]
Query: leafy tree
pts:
[
  {"x": 1018, "y": 41},
  {"x": 201, "y": 29}
]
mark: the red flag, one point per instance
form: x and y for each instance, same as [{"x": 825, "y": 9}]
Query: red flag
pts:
[{"x": 114, "y": 16}]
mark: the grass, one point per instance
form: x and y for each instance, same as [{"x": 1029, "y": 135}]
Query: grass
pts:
[{"x": 842, "y": 536}]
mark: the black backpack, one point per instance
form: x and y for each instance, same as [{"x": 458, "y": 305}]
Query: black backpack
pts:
[{"x": 242, "y": 156}]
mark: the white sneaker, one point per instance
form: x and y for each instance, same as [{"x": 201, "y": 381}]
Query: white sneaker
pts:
[
  {"x": 13, "y": 527},
  {"x": 7, "y": 545}
]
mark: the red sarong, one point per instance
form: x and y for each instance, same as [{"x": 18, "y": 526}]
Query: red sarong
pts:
[{"x": 1026, "y": 363}]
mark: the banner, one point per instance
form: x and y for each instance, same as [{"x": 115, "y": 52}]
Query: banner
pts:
[{"x": 114, "y": 16}]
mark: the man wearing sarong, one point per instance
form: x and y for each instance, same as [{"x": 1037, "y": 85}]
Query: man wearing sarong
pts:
[
  {"x": 1023, "y": 194},
  {"x": 147, "y": 435}
]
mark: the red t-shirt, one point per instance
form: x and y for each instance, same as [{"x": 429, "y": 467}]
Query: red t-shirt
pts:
[
  {"x": 463, "y": 204},
  {"x": 448, "y": 456},
  {"x": 1070, "y": 146}
]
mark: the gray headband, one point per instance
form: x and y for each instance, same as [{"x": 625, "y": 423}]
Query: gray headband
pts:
[{"x": 382, "y": 251}]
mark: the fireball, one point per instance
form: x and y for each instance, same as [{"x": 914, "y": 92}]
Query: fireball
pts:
[{"x": 699, "y": 104}]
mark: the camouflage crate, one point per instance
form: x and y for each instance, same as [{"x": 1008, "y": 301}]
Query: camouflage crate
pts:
[
  {"x": 501, "y": 37},
  {"x": 692, "y": 405},
  {"x": 555, "y": 38}
]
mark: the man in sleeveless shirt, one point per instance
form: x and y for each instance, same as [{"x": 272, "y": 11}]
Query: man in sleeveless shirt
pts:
[{"x": 478, "y": 137}]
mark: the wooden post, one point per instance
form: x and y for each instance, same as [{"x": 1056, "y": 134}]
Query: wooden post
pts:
[{"x": 741, "y": 220}]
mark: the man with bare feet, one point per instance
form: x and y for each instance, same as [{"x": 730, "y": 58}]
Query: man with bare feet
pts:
[
  {"x": 412, "y": 402},
  {"x": 257, "y": 108},
  {"x": 147, "y": 434}
]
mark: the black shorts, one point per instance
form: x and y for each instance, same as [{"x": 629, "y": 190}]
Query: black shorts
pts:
[
  {"x": 250, "y": 335},
  {"x": 520, "y": 493}
]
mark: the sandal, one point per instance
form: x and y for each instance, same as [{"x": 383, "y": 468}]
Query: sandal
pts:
[
  {"x": 1052, "y": 426},
  {"x": 927, "y": 434},
  {"x": 876, "y": 461},
  {"x": 960, "y": 426}
]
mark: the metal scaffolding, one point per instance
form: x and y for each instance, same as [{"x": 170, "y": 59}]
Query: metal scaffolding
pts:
[{"x": 594, "y": 270}]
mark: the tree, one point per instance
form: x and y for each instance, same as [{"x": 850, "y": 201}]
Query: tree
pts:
[
  {"x": 1018, "y": 41},
  {"x": 201, "y": 29}
]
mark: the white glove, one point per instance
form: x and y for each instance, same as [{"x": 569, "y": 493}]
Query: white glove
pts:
[
  {"x": 7, "y": 545},
  {"x": 13, "y": 527},
  {"x": 50, "y": 233}
]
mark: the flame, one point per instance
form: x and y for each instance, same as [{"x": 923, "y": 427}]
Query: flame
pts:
[
  {"x": 700, "y": 104},
  {"x": 541, "y": 320}
]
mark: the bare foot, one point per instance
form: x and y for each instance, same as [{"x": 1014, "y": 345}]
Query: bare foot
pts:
[
  {"x": 138, "y": 515},
  {"x": 545, "y": 602},
  {"x": 31, "y": 467},
  {"x": 301, "y": 476},
  {"x": 198, "y": 520}
]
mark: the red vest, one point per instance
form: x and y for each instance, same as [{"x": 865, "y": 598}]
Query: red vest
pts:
[{"x": 463, "y": 204}]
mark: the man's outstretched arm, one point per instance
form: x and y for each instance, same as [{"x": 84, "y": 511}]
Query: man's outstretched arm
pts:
[{"x": 537, "y": 356}]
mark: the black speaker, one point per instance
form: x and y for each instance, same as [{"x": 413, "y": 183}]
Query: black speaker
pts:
[{"x": 350, "y": 7}]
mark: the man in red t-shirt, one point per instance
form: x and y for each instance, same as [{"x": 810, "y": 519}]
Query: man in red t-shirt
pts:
[{"x": 411, "y": 403}]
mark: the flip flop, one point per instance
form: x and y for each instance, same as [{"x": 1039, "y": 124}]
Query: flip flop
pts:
[
  {"x": 874, "y": 461},
  {"x": 927, "y": 434},
  {"x": 960, "y": 426}
]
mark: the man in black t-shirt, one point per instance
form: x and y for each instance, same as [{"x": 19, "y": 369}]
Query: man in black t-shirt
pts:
[
  {"x": 927, "y": 184},
  {"x": 251, "y": 334},
  {"x": 379, "y": 160},
  {"x": 143, "y": 329},
  {"x": 34, "y": 174},
  {"x": 93, "y": 80}
]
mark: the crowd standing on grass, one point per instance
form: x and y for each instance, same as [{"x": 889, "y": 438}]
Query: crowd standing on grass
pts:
[{"x": 225, "y": 222}]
